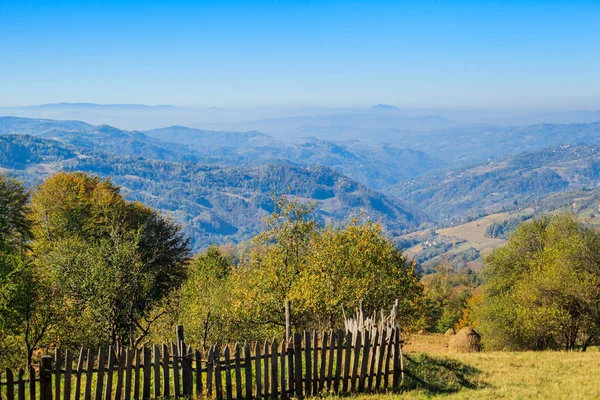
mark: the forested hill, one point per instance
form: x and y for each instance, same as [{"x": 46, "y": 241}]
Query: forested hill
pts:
[
  {"x": 215, "y": 204},
  {"x": 375, "y": 165},
  {"x": 504, "y": 184}
]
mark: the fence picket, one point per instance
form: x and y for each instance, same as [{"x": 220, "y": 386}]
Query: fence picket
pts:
[
  {"x": 186, "y": 370},
  {"x": 388, "y": 356},
  {"x": 21, "y": 385},
  {"x": 274, "y": 375},
  {"x": 339, "y": 346},
  {"x": 238, "y": 371},
  {"x": 347, "y": 359},
  {"x": 228, "y": 382},
  {"x": 10, "y": 385},
  {"x": 199, "y": 388},
  {"x": 330, "y": 361},
  {"x": 364, "y": 364},
  {"x": 323, "y": 362},
  {"x": 380, "y": 358},
  {"x": 122, "y": 363},
  {"x": 87, "y": 394},
  {"x": 289, "y": 348},
  {"x": 298, "y": 364},
  {"x": 397, "y": 359},
  {"x": 248, "y": 370},
  {"x": 308, "y": 363},
  {"x": 283, "y": 360},
  {"x": 315, "y": 362},
  {"x": 355, "y": 361},
  {"x": 57, "y": 373},
  {"x": 258, "y": 363},
  {"x": 109, "y": 374},
  {"x": 156, "y": 370},
  {"x": 78, "y": 374},
  {"x": 175, "y": 355},
  {"x": 46, "y": 378},
  {"x": 372, "y": 360},
  {"x": 146, "y": 367},
  {"x": 100, "y": 374},
  {"x": 209, "y": 373},
  {"x": 136, "y": 374},
  {"x": 32, "y": 394},
  {"x": 68, "y": 374},
  {"x": 130, "y": 355},
  {"x": 166, "y": 376},
  {"x": 267, "y": 371},
  {"x": 218, "y": 377}
]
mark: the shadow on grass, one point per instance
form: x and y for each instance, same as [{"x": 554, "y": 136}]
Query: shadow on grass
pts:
[{"x": 438, "y": 375}]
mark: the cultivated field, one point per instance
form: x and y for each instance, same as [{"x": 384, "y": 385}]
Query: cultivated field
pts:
[{"x": 434, "y": 373}]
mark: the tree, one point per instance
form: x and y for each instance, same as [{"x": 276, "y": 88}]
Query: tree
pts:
[
  {"x": 447, "y": 291},
  {"x": 355, "y": 263},
  {"x": 321, "y": 269},
  {"x": 263, "y": 283},
  {"x": 543, "y": 287},
  {"x": 108, "y": 260},
  {"x": 205, "y": 298}
]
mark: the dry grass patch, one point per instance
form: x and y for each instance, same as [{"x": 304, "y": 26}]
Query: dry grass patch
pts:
[{"x": 494, "y": 375}]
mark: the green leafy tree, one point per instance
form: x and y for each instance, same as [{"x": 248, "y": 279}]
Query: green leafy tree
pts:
[
  {"x": 543, "y": 287},
  {"x": 21, "y": 291},
  {"x": 205, "y": 298}
]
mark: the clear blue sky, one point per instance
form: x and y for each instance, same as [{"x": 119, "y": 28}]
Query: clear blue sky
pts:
[{"x": 291, "y": 53}]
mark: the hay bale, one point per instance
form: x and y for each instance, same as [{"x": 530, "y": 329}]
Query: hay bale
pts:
[
  {"x": 449, "y": 332},
  {"x": 465, "y": 341}
]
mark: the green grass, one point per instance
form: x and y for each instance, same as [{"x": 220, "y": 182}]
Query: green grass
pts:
[{"x": 492, "y": 375}]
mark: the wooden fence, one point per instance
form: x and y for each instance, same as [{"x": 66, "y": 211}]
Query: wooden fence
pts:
[{"x": 305, "y": 365}]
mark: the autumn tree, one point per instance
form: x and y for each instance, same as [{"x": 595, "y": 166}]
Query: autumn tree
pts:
[
  {"x": 109, "y": 261},
  {"x": 321, "y": 269},
  {"x": 355, "y": 263}
]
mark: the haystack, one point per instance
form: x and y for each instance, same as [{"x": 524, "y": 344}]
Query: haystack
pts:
[
  {"x": 449, "y": 332},
  {"x": 465, "y": 341}
]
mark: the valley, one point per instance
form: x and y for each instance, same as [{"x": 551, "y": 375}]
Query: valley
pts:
[{"x": 218, "y": 184}]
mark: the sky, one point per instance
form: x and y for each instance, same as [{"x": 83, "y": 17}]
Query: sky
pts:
[{"x": 439, "y": 54}]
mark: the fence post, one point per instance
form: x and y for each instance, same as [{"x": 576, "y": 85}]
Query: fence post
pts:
[
  {"x": 46, "y": 378},
  {"x": 288, "y": 326}
]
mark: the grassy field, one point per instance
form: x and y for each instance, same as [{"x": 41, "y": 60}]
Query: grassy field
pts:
[{"x": 434, "y": 373}]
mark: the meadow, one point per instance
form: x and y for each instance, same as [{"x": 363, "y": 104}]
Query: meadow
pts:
[{"x": 432, "y": 372}]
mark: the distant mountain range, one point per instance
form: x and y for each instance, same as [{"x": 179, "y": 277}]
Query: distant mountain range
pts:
[{"x": 341, "y": 123}]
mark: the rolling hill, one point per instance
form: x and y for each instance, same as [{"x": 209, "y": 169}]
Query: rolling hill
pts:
[
  {"x": 505, "y": 184},
  {"x": 375, "y": 165},
  {"x": 215, "y": 204}
]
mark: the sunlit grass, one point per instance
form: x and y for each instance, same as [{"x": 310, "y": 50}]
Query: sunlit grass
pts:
[{"x": 489, "y": 375}]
